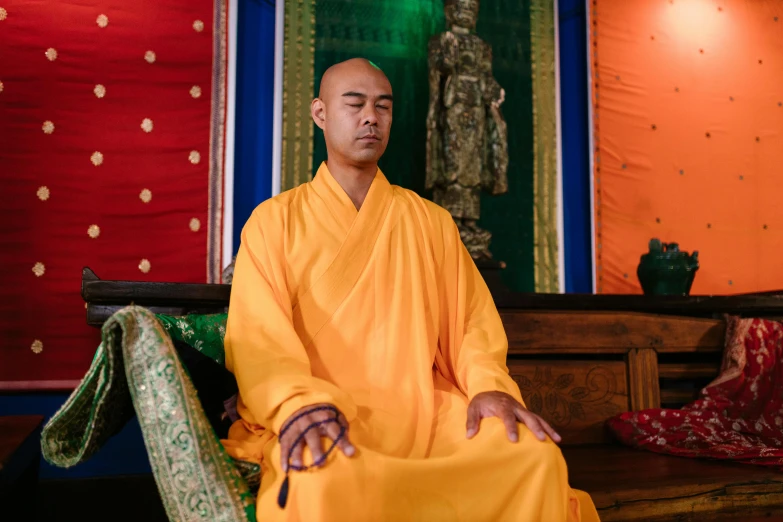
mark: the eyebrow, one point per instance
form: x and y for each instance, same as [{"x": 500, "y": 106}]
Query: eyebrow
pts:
[{"x": 353, "y": 94}]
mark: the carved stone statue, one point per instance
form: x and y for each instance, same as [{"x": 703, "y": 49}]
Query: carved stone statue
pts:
[{"x": 467, "y": 147}]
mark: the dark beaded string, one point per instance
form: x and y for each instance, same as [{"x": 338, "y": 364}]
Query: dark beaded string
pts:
[{"x": 282, "y": 497}]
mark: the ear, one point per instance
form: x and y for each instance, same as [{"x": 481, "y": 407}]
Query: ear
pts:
[{"x": 318, "y": 112}]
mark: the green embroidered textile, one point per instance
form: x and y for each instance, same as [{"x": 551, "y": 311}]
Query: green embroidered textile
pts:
[
  {"x": 137, "y": 368},
  {"x": 205, "y": 333}
]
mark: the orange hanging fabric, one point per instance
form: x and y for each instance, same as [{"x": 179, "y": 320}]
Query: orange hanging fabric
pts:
[{"x": 688, "y": 130}]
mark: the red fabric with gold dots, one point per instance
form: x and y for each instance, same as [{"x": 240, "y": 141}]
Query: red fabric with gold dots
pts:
[{"x": 111, "y": 156}]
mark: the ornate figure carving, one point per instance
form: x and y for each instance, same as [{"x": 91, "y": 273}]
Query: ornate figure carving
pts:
[{"x": 467, "y": 147}]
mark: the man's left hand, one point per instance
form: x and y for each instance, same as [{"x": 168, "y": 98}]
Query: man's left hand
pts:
[{"x": 510, "y": 411}]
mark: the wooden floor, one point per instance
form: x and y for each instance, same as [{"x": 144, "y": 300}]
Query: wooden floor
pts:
[
  {"x": 625, "y": 484},
  {"x": 628, "y": 484}
]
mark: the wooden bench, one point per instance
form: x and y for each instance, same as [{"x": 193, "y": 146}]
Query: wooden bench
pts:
[
  {"x": 578, "y": 369},
  {"x": 579, "y": 360}
]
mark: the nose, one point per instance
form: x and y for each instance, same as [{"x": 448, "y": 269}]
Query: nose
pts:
[{"x": 370, "y": 115}]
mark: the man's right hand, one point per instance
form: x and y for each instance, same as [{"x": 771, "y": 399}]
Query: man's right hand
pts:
[{"x": 313, "y": 437}]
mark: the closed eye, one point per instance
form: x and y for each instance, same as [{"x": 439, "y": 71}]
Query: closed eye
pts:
[
  {"x": 355, "y": 104},
  {"x": 382, "y": 106}
]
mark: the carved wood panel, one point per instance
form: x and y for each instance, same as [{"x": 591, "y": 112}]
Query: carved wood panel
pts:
[{"x": 575, "y": 397}]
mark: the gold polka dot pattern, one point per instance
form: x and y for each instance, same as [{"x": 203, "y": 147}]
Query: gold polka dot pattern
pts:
[{"x": 145, "y": 266}]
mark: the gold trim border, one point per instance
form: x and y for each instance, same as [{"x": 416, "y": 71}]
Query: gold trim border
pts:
[
  {"x": 542, "y": 64},
  {"x": 298, "y": 88},
  {"x": 217, "y": 146}
]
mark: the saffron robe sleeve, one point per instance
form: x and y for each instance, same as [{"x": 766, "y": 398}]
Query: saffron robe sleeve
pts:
[
  {"x": 472, "y": 346},
  {"x": 275, "y": 376}
]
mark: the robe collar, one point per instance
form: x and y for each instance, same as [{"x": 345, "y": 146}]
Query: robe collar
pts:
[
  {"x": 316, "y": 306},
  {"x": 338, "y": 200}
]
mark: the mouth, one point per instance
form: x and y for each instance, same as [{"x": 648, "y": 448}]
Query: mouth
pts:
[{"x": 370, "y": 137}]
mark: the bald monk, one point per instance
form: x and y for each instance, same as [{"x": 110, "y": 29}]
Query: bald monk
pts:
[{"x": 369, "y": 355}]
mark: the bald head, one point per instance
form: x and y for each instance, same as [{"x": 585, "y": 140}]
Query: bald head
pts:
[
  {"x": 354, "y": 109},
  {"x": 346, "y": 69}
]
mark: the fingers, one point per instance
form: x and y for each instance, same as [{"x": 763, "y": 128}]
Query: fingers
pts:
[
  {"x": 287, "y": 453},
  {"x": 332, "y": 430},
  {"x": 550, "y": 431},
  {"x": 538, "y": 425},
  {"x": 474, "y": 419},
  {"x": 313, "y": 440},
  {"x": 510, "y": 421},
  {"x": 532, "y": 422},
  {"x": 296, "y": 455},
  {"x": 313, "y": 426},
  {"x": 285, "y": 448}
]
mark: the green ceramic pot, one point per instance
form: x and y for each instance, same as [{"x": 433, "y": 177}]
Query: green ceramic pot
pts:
[{"x": 664, "y": 270}]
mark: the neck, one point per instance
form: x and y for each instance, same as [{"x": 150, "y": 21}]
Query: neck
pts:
[{"x": 354, "y": 180}]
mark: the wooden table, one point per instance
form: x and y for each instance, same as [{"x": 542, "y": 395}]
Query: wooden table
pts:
[{"x": 20, "y": 456}]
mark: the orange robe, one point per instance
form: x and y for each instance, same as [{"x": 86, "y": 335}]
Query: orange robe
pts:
[{"x": 382, "y": 313}]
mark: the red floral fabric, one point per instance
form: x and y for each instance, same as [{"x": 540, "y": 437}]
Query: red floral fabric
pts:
[{"x": 739, "y": 416}]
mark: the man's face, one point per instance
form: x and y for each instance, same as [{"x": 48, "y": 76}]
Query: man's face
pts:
[{"x": 356, "y": 115}]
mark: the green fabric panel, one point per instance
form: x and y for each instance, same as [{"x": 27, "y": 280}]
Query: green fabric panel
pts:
[
  {"x": 205, "y": 333},
  {"x": 394, "y": 35},
  {"x": 505, "y": 25}
]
